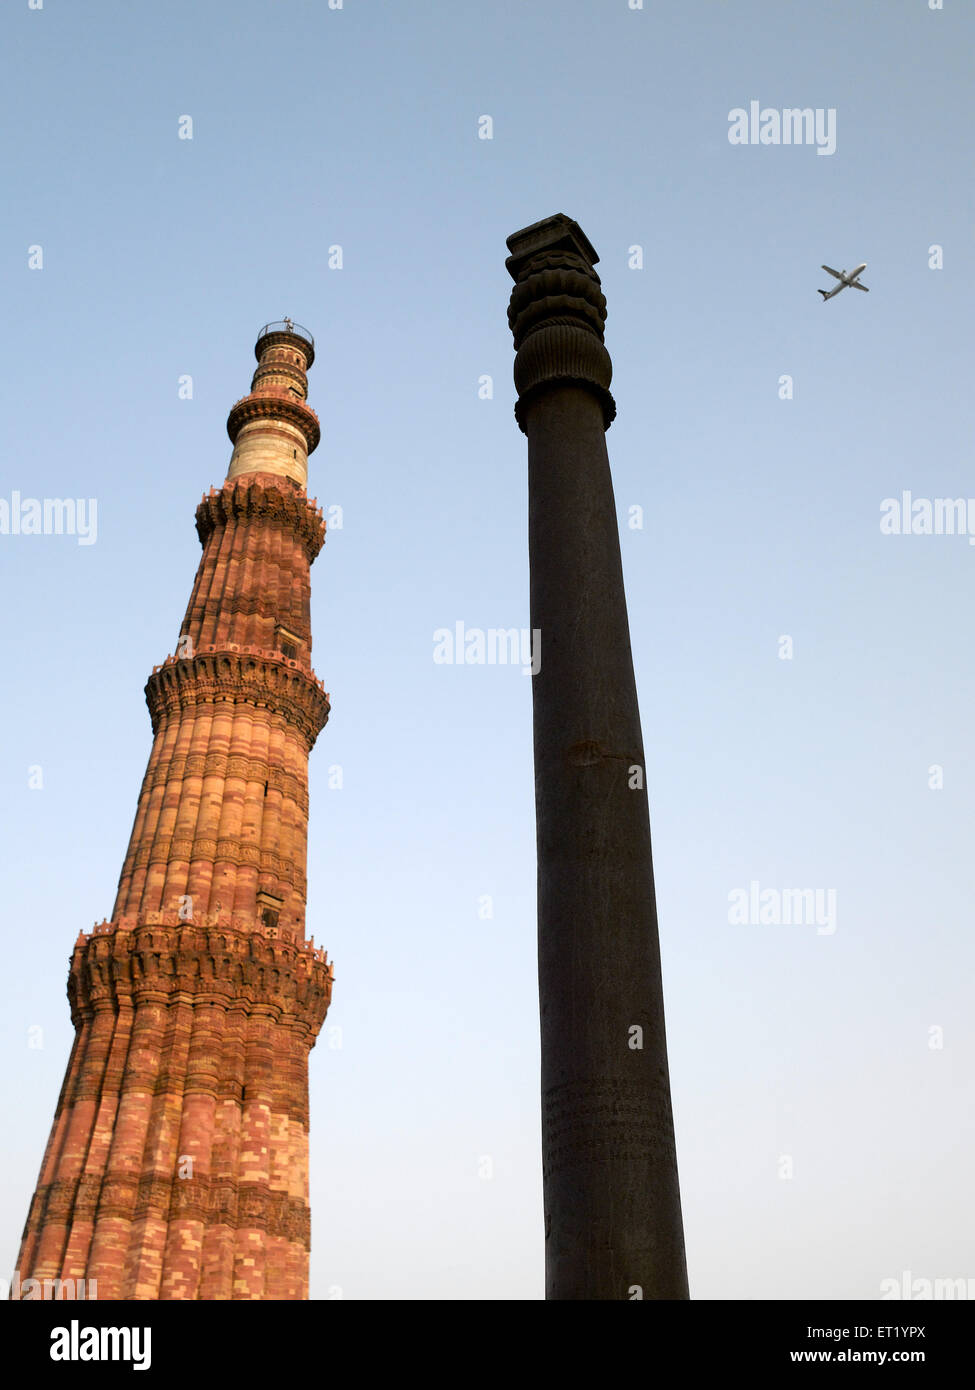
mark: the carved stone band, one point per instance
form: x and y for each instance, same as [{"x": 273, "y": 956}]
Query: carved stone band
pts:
[
  {"x": 562, "y": 355},
  {"x": 239, "y": 679},
  {"x": 189, "y": 961},
  {"x": 266, "y": 500}
]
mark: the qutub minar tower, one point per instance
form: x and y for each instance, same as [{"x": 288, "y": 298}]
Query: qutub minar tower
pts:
[{"x": 177, "y": 1166}]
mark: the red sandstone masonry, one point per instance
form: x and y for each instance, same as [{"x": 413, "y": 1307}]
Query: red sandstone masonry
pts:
[{"x": 177, "y": 1166}]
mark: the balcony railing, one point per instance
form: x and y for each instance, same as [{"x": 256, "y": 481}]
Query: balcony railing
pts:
[{"x": 286, "y": 326}]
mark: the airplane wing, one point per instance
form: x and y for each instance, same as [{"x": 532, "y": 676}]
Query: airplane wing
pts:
[
  {"x": 830, "y": 271},
  {"x": 855, "y": 284}
]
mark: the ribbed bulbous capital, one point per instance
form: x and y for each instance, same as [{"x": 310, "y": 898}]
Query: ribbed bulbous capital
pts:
[{"x": 557, "y": 313}]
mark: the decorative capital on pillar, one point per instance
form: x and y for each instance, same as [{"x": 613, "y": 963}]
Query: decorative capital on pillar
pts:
[{"x": 557, "y": 313}]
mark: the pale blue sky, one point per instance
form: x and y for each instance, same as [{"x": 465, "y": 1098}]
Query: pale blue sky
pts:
[{"x": 358, "y": 127}]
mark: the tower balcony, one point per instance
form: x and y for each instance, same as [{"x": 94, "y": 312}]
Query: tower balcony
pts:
[
  {"x": 285, "y": 329},
  {"x": 271, "y": 403}
]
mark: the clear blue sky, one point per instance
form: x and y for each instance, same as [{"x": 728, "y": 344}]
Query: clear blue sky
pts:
[{"x": 358, "y": 127}]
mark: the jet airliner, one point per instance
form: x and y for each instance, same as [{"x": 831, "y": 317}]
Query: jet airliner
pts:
[{"x": 844, "y": 280}]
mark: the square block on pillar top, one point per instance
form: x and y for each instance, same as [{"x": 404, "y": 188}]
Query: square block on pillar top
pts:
[{"x": 557, "y": 233}]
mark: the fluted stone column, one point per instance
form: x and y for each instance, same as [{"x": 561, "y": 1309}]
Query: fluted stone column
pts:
[
  {"x": 178, "y": 1161},
  {"x": 612, "y": 1202}
]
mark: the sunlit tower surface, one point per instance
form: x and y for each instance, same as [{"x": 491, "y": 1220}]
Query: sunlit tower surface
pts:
[{"x": 177, "y": 1165}]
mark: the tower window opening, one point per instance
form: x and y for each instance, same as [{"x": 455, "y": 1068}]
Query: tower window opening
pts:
[
  {"x": 269, "y": 907},
  {"x": 289, "y": 643}
]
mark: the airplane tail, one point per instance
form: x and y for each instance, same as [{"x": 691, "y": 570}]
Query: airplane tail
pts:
[{"x": 824, "y": 293}]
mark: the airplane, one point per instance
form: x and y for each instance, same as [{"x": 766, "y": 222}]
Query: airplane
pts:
[{"x": 844, "y": 280}]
